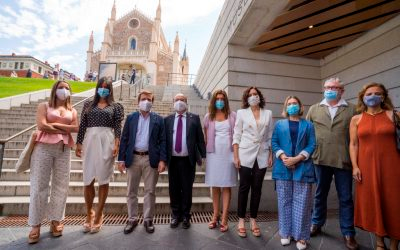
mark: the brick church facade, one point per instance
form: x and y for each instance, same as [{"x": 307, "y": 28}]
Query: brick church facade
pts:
[{"x": 137, "y": 41}]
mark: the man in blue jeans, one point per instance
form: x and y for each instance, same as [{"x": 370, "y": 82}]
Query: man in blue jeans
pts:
[{"x": 331, "y": 118}]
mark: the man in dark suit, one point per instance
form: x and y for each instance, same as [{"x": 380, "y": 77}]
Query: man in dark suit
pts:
[
  {"x": 142, "y": 153},
  {"x": 185, "y": 141}
]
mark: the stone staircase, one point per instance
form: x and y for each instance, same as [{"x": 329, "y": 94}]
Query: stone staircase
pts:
[{"x": 14, "y": 188}]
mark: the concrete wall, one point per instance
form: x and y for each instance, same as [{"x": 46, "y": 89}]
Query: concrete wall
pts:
[
  {"x": 374, "y": 56},
  {"x": 213, "y": 70},
  {"x": 277, "y": 76}
]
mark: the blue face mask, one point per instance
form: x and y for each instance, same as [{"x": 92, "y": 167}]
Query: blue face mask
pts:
[
  {"x": 103, "y": 92},
  {"x": 330, "y": 95},
  {"x": 219, "y": 104},
  {"x": 372, "y": 100},
  {"x": 293, "y": 109}
]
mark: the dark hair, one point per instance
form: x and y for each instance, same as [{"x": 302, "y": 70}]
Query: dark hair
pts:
[
  {"x": 145, "y": 92},
  {"x": 109, "y": 98},
  {"x": 386, "y": 103},
  {"x": 53, "y": 98},
  {"x": 246, "y": 94},
  {"x": 213, "y": 110},
  {"x": 284, "y": 111}
]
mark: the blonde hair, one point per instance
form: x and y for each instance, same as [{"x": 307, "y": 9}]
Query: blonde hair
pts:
[
  {"x": 285, "y": 104},
  {"x": 53, "y": 97},
  {"x": 386, "y": 103}
]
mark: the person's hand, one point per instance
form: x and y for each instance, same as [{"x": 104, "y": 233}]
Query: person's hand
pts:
[
  {"x": 290, "y": 162},
  {"x": 78, "y": 150},
  {"x": 200, "y": 161},
  {"x": 357, "y": 174},
  {"x": 236, "y": 160},
  {"x": 269, "y": 160},
  {"x": 121, "y": 167},
  {"x": 161, "y": 167},
  {"x": 115, "y": 150}
]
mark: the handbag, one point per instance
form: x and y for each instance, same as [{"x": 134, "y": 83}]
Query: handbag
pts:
[
  {"x": 24, "y": 160},
  {"x": 396, "y": 121}
]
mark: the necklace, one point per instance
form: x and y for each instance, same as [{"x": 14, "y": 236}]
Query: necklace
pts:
[{"x": 375, "y": 113}]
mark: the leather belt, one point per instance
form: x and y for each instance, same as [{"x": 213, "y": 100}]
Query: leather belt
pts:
[{"x": 141, "y": 153}]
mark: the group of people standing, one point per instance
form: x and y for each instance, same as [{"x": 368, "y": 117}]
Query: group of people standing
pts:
[{"x": 336, "y": 139}]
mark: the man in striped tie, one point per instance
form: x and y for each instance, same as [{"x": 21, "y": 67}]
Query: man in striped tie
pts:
[{"x": 185, "y": 147}]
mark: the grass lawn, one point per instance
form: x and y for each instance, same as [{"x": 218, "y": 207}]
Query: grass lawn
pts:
[{"x": 15, "y": 86}]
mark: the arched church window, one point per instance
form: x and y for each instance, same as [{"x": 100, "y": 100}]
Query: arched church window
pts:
[{"x": 132, "y": 44}]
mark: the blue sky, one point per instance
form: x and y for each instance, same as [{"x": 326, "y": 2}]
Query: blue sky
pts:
[{"x": 58, "y": 31}]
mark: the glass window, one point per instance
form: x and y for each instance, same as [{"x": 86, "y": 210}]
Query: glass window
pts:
[
  {"x": 21, "y": 65},
  {"x": 133, "y": 44},
  {"x": 40, "y": 70},
  {"x": 16, "y": 65},
  {"x": 10, "y": 65}
]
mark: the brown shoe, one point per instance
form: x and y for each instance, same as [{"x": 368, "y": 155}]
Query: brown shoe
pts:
[
  {"x": 350, "y": 242},
  {"x": 315, "y": 230}
]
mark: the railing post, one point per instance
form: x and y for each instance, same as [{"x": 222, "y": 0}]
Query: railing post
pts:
[
  {"x": 2, "y": 146},
  {"x": 120, "y": 92}
]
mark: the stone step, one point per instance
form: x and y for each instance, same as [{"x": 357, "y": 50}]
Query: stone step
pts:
[
  {"x": 15, "y": 145},
  {"x": 77, "y": 175},
  {"x": 76, "y": 164},
  {"x": 10, "y": 205},
  {"x": 21, "y": 188}
]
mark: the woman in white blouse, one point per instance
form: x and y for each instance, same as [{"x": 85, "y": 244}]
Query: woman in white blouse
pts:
[{"x": 252, "y": 154}]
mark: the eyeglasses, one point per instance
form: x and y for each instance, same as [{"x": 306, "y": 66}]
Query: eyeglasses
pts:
[{"x": 333, "y": 88}]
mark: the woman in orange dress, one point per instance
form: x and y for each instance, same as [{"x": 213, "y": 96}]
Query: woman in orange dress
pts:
[{"x": 376, "y": 166}]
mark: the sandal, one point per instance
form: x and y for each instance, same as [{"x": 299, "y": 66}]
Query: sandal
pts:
[
  {"x": 256, "y": 231},
  {"x": 379, "y": 246},
  {"x": 241, "y": 231},
  {"x": 213, "y": 224},
  {"x": 223, "y": 227},
  {"x": 87, "y": 226},
  {"x": 56, "y": 229},
  {"x": 34, "y": 235},
  {"x": 97, "y": 227}
]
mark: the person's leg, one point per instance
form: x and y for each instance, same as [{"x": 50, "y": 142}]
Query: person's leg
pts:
[
  {"x": 175, "y": 192},
  {"x": 284, "y": 190},
  {"x": 187, "y": 174},
  {"x": 344, "y": 186},
  {"x": 103, "y": 193},
  {"x": 40, "y": 171},
  {"x": 134, "y": 172},
  {"x": 59, "y": 188},
  {"x": 150, "y": 178},
  {"x": 226, "y": 200},
  {"x": 243, "y": 191},
  {"x": 394, "y": 244},
  {"x": 301, "y": 210},
  {"x": 380, "y": 243},
  {"x": 256, "y": 186},
  {"x": 324, "y": 179},
  {"x": 216, "y": 196}
]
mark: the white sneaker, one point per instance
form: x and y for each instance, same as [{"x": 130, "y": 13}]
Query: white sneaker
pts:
[
  {"x": 285, "y": 242},
  {"x": 301, "y": 246}
]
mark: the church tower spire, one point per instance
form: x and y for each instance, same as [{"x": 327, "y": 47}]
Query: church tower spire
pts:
[
  {"x": 158, "y": 14},
  {"x": 89, "y": 53},
  {"x": 113, "y": 12}
]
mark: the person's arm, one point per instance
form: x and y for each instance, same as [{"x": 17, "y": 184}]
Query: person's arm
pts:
[
  {"x": 206, "y": 124},
  {"x": 269, "y": 137},
  {"x": 200, "y": 139},
  {"x": 163, "y": 147},
  {"x": 237, "y": 136},
  {"x": 70, "y": 128},
  {"x": 353, "y": 147},
  {"x": 118, "y": 117},
  {"x": 42, "y": 123},
  {"x": 123, "y": 145},
  {"x": 82, "y": 129}
]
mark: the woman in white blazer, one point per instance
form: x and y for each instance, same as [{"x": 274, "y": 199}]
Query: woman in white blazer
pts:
[{"x": 252, "y": 154}]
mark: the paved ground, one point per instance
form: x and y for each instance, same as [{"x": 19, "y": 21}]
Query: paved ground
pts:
[{"x": 197, "y": 237}]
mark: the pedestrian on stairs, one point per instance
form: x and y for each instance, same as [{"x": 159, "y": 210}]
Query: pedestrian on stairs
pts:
[
  {"x": 142, "y": 154},
  {"x": 185, "y": 147},
  {"x": 56, "y": 120},
  {"x": 98, "y": 144},
  {"x": 220, "y": 169},
  {"x": 133, "y": 76}
]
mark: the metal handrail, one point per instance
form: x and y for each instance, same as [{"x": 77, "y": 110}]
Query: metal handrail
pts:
[{"x": 4, "y": 141}]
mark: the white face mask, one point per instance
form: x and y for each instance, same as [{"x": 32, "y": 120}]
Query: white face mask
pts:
[
  {"x": 62, "y": 94},
  {"x": 145, "y": 105},
  {"x": 253, "y": 100},
  {"x": 180, "y": 106}
]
